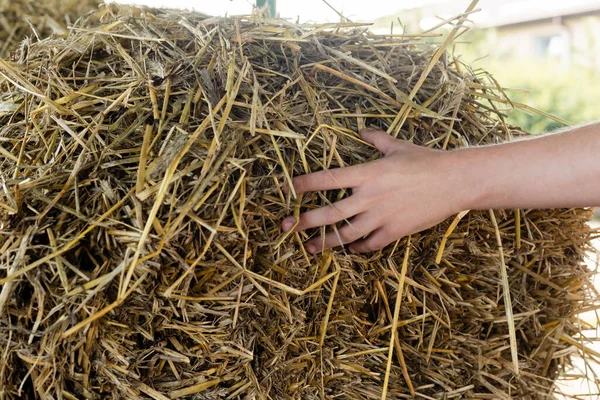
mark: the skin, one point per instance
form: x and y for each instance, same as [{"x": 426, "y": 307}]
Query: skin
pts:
[{"x": 413, "y": 188}]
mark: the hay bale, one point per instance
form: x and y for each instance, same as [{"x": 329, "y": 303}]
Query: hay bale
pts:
[
  {"x": 38, "y": 19},
  {"x": 141, "y": 171}
]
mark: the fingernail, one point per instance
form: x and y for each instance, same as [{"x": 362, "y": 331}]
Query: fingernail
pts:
[
  {"x": 287, "y": 223},
  {"x": 311, "y": 248}
]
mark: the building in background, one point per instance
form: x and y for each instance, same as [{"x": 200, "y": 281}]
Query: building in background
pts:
[{"x": 565, "y": 31}]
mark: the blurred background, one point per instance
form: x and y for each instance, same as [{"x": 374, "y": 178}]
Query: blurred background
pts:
[{"x": 549, "y": 48}]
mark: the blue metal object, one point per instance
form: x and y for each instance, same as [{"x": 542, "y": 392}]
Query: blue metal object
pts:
[{"x": 271, "y": 4}]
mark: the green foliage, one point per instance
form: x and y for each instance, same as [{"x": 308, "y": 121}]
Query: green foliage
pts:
[{"x": 571, "y": 93}]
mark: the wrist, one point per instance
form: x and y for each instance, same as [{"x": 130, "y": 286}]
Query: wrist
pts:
[{"x": 474, "y": 179}]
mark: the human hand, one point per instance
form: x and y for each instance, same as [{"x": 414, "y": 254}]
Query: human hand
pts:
[{"x": 411, "y": 189}]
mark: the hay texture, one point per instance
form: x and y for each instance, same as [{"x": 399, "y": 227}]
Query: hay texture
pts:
[
  {"x": 142, "y": 162},
  {"x": 24, "y": 21}
]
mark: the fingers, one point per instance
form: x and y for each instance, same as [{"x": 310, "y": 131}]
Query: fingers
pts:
[
  {"x": 377, "y": 240},
  {"x": 338, "y": 178},
  {"x": 355, "y": 229},
  {"x": 384, "y": 142},
  {"x": 381, "y": 140},
  {"x": 327, "y": 215},
  {"x": 347, "y": 177}
]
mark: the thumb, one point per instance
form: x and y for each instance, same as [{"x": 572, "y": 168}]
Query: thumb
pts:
[{"x": 381, "y": 140}]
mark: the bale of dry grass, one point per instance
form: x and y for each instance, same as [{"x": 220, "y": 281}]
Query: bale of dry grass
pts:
[
  {"x": 142, "y": 162},
  {"x": 24, "y": 21}
]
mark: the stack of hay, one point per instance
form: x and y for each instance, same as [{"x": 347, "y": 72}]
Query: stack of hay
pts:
[
  {"x": 38, "y": 19},
  {"x": 142, "y": 162}
]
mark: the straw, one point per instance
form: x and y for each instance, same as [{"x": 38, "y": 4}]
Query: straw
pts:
[
  {"x": 143, "y": 159},
  {"x": 25, "y": 21}
]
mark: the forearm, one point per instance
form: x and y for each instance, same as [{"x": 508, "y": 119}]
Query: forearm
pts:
[{"x": 553, "y": 171}]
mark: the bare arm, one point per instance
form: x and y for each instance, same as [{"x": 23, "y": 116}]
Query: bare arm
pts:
[
  {"x": 559, "y": 170},
  {"x": 413, "y": 188}
]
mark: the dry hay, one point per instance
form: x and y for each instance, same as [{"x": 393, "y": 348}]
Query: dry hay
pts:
[
  {"x": 24, "y": 20},
  {"x": 142, "y": 163}
]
